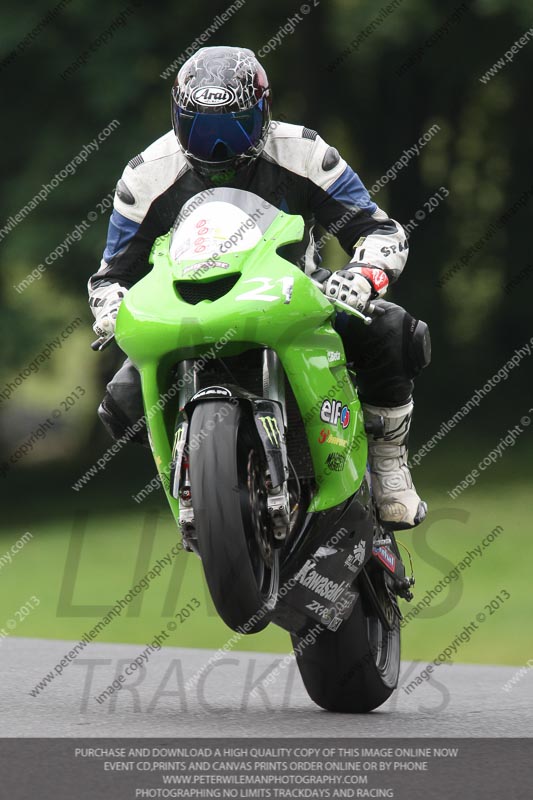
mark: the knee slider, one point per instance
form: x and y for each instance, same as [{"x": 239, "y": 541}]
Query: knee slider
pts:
[
  {"x": 117, "y": 423},
  {"x": 417, "y": 345}
]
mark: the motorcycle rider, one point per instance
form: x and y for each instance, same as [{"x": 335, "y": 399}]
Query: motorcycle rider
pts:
[{"x": 223, "y": 135}]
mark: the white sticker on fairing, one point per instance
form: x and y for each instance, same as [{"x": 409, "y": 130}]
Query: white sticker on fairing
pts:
[
  {"x": 356, "y": 558},
  {"x": 265, "y": 285},
  {"x": 318, "y": 608},
  {"x": 211, "y": 231},
  {"x": 287, "y": 284},
  {"x": 324, "y": 552}
]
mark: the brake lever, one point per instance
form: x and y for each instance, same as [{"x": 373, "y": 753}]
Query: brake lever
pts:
[
  {"x": 372, "y": 309},
  {"x": 102, "y": 343},
  {"x": 353, "y": 311}
]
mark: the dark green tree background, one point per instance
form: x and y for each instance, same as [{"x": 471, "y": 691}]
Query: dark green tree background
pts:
[{"x": 366, "y": 105}]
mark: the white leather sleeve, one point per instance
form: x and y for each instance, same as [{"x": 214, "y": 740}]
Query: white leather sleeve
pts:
[{"x": 386, "y": 249}]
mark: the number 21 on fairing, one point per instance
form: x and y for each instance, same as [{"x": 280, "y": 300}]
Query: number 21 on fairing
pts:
[{"x": 267, "y": 285}]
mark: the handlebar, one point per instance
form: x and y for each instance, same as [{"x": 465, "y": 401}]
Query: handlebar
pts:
[{"x": 103, "y": 342}]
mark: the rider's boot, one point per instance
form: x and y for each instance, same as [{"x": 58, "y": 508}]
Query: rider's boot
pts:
[{"x": 398, "y": 503}]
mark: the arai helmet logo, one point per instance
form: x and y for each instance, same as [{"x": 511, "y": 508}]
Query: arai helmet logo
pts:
[{"x": 213, "y": 96}]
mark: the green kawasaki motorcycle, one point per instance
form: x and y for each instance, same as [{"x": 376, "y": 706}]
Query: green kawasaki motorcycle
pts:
[{"x": 259, "y": 439}]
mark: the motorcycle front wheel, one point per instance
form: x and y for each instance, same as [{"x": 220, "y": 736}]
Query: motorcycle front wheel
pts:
[{"x": 229, "y": 497}]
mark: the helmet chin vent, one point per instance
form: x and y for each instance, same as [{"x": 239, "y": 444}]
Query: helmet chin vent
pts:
[{"x": 220, "y": 152}]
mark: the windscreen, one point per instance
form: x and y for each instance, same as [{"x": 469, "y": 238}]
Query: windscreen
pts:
[{"x": 220, "y": 221}]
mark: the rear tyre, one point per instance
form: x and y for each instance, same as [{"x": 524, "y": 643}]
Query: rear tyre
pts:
[
  {"x": 354, "y": 669},
  {"x": 236, "y": 545}
]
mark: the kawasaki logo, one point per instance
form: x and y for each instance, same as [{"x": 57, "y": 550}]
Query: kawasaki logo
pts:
[
  {"x": 270, "y": 424},
  {"x": 319, "y": 584},
  {"x": 213, "y": 96}
]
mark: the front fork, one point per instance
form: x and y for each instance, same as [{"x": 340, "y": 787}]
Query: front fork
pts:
[
  {"x": 188, "y": 381},
  {"x": 189, "y": 385},
  {"x": 274, "y": 379},
  {"x": 278, "y": 502}
]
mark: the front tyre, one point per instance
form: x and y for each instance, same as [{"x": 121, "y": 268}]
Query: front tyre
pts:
[
  {"x": 354, "y": 669},
  {"x": 235, "y": 541}
]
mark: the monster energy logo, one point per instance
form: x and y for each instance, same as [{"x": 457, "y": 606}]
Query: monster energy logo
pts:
[
  {"x": 180, "y": 437},
  {"x": 270, "y": 424}
]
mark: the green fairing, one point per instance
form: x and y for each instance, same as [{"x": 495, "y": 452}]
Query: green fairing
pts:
[{"x": 156, "y": 329}]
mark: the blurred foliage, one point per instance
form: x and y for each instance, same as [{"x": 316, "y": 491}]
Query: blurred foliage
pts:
[{"x": 362, "y": 106}]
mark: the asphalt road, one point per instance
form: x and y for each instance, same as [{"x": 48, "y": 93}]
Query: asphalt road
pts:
[{"x": 461, "y": 700}]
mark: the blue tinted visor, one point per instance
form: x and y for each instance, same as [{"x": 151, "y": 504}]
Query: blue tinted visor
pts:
[{"x": 217, "y": 137}]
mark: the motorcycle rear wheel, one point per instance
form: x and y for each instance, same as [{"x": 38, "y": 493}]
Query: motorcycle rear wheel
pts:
[{"x": 354, "y": 669}]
